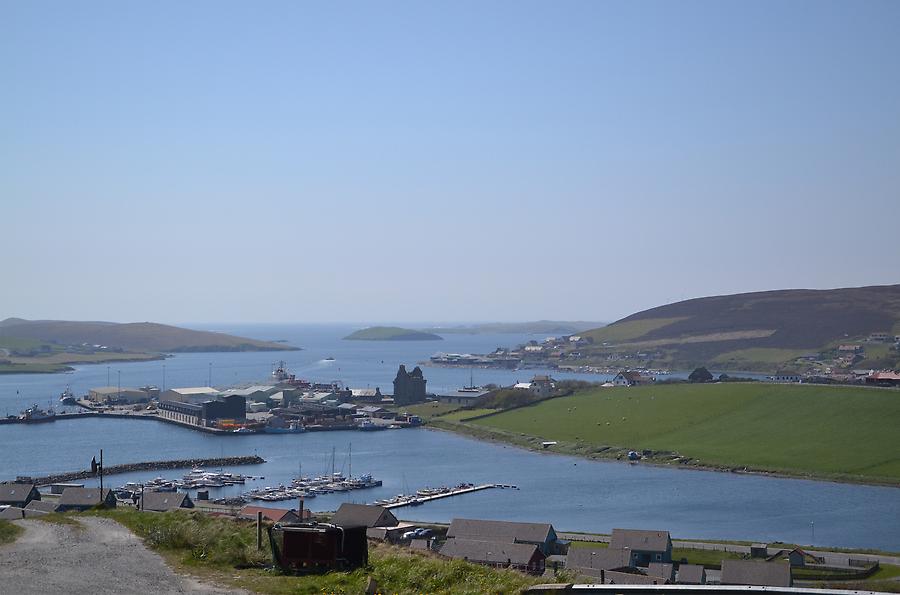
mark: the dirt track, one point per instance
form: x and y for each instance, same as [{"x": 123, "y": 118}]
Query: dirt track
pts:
[{"x": 102, "y": 557}]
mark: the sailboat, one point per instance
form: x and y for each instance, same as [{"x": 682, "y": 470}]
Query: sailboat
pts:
[{"x": 471, "y": 388}]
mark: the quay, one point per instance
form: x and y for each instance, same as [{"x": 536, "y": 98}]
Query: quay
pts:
[
  {"x": 149, "y": 466},
  {"x": 454, "y": 492}
]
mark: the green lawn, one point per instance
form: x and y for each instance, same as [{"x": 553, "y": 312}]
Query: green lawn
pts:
[{"x": 843, "y": 432}]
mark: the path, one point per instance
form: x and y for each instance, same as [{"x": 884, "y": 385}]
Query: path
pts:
[{"x": 101, "y": 557}]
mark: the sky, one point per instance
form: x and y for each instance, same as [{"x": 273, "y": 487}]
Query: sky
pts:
[{"x": 440, "y": 161}]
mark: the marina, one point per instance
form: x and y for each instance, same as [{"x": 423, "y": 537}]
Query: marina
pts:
[{"x": 432, "y": 494}]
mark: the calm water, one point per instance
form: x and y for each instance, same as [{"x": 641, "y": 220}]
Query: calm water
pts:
[{"x": 571, "y": 493}]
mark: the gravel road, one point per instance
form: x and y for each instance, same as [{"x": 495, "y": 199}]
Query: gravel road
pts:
[{"x": 102, "y": 557}]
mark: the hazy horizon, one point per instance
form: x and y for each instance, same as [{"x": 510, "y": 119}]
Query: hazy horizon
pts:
[{"x": 497, "y": 162}]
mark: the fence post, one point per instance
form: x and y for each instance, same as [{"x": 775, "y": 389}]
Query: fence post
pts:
[{"x": 258, "y": 530}]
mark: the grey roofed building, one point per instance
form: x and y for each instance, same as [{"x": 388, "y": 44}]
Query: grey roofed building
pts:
[
  {"x": 363, "y": 515},
  {"x": 18, "y": 494},
  {"x": 591, "y": 560},
  {"x": 522, "y": 555},
  {"x": 540, "y": 534},
  {"x": 755, "y": 572},
  {"x": 164, "y": 501},
  {"x": 691, "y": 574},
  {"x": 42, "y": 506},
  {"x": 645, "y": 546},
  {"x": 662, "y": 570},
  {"x": 85, "y": 498},
  {"x": 614, "y": 577},
  {"x": 13, "y": 513}
]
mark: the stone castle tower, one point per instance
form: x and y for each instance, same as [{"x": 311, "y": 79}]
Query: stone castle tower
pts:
[{"x": 409, "y": 387}]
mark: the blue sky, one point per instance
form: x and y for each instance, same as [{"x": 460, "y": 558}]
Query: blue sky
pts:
[{"x": 458, "y": 161}]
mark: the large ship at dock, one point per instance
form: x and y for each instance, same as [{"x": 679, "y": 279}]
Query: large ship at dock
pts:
[{"x": 36, "y": 415}]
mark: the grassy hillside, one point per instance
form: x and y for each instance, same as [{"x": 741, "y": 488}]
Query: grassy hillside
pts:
[
  {"x": 135, "y": 337},
  {"x": 761, "y": 330},
  {"x": 543, "y": 327},
  {"x": 839, "y": 432},
  {"x": 391, "y": 333}
]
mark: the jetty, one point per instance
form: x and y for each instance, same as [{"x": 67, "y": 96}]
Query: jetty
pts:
[
  {"x": 149, "y": 466},
  {"x": 453, "y": 492}
]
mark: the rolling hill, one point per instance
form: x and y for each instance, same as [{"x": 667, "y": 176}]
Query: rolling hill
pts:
[
  {"x": 757, "y": 330},
  {"x": 132, "y": 337}
]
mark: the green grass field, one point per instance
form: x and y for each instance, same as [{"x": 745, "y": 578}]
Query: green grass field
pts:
[
  {"x": 836, "y": 432},
  {"x": 627, "y": 331}
]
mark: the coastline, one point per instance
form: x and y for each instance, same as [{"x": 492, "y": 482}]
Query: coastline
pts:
[{"x": 617, "y": 454}]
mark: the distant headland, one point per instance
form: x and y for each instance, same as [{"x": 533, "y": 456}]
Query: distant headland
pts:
[
  {"x": 37, "y": 346},
  {"x": 391, "y": 333}
]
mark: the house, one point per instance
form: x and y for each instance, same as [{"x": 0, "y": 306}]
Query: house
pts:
[
  {"x": 367, "y": 394},
  {"x": 465, "y": 398},
  {"x": 691, "y": 574},
  {"x": 885, "y": 378},
  {"x": 850, "y": 348},
  {"x": 521, "y": 556},
  {"x": 18, "y": 494},
  {"x": 542, "y": 385},
  {"x": 591, "y": 561},
  {"x": 42, "y": 506},
  {"x": 759, "y": 550},
  {"x": 756, "y": 572},
  {"x": 275, "y": 515},
  {"x": 615, "y": 577},
  {"x": 363, "y": 515},
  {"x": 85, "y": 498},
  {"x": 165, "y": 501},
  {"x": 13, "y": 513},
  {"x": 645, "y": 546},
  {"x": 631, "y": 378},
  {"x": 540, "y": 534},
  {"x": 785, "y": 376},
  {"x": 663, "y": 570}
]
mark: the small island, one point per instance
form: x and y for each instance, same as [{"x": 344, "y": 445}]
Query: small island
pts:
[{"x": 391, "y": 333}]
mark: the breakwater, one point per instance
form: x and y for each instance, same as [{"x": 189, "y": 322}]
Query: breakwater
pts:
[{"x": 150, "y": 466}]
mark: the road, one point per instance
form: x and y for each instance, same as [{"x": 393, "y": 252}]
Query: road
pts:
[{"x": 100, "y": 557}]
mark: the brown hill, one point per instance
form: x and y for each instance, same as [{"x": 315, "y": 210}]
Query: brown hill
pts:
[
  {"x": 137, "y": 336},
  {"x": 769, "y": 326}
]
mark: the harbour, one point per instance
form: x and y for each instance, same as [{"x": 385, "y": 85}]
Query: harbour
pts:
[{"x": 587, "y": 495}]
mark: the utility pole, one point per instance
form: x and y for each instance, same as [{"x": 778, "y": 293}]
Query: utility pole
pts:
[{"x": 101, "y": 475}]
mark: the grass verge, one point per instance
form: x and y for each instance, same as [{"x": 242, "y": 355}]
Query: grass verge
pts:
[
  {"x": 9, "y": 532},
  {"x": 223, "y": 550}
]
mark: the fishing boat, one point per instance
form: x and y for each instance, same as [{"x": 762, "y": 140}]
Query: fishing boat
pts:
[
  {"x": 367, "y": 425},
  {"x": 67, "y": 397},
  {"x": 36, "y": 415},
  {"x": 293, "y": 428}
]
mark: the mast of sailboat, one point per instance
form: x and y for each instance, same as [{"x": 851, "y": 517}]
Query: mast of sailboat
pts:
[
  {"x": 332, "y": 462},
  {"x": 350, "y": 462}
]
